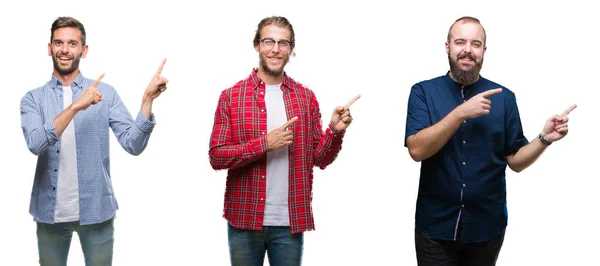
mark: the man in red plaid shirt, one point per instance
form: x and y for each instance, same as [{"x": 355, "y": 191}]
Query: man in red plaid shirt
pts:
[{"x": 270, "y": 158}]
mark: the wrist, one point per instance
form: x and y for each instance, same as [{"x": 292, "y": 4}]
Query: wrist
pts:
[{"x": 543, "y": 139}]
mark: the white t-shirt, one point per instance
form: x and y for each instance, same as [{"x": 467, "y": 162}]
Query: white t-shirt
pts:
[
  {"x": 67, "y": 187},
  {"x": 276, "y": 207}
]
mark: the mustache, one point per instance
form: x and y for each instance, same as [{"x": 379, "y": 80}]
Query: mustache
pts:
[
  {"x": 470, "y": 56},
  {"x": 63, "y": 54}
]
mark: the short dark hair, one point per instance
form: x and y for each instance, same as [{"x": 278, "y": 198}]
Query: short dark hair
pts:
[
  {"x": 67, "y": 22},
  {"x": 466, "y": 19}
]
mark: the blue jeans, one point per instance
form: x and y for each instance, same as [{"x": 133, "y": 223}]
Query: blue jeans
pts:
[
  {"x": 96, "y": 240},
  {"x": 248, "y": 247}
]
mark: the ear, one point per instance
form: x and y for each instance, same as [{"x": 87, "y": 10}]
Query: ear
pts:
[
  {"x": 49, "y": 49},
  {"x": 447, "y": 48},
  {"x": 484, "y": 49},
  {"x": 256, "y": 47},
  {"x": 84, "y": 51}
]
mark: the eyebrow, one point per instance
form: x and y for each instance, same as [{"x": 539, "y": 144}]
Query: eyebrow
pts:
[{"x": 464, "y": 40}]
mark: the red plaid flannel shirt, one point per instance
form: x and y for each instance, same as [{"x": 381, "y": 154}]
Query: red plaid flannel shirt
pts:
[{"x": 239, "y": 143}]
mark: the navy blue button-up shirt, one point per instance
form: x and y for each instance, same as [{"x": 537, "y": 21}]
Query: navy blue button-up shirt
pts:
[
  {"x": 39, "y": 107},
  {"x": 464, "y": 183}
]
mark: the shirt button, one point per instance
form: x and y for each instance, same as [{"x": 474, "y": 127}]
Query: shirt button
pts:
[
  {"x": 464, "y": 163},
  {"x": 262, "y": 110},
  {"x": 261, "y": 199},
  {"x": 464, "y": 141},
  {"x": 464, "y": 101},
  {"x": 53, "y": 188},
  {"x": 464, "y": 185},
  {"x": 465, "y": 121},
  {"x": 262, "y": 176},
  {"x": 55, "y": 170},
  {"x": 261, "y": 92},
  {"x": 462, "y": 205},
  {"x": 262, "y": 132},
  {"x": 57, "y": 151}
]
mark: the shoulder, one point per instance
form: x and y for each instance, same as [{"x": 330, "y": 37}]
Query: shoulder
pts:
[{"x": 430, "y": 83}]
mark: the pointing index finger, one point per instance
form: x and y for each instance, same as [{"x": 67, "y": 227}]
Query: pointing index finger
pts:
[
  {"x": 569, "y": 110},
  {"x": 352, "y": 101},
  {"x": 160, "y": 68},
  {"x": 489, "y": 93},
  {"x": 289, "y": 122},
  {"x": 97, "y": 81}
]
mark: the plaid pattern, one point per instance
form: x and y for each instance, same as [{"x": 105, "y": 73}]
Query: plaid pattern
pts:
[
  {"x": 39, "y": 107},
  {"x": 239, "y": 143}
]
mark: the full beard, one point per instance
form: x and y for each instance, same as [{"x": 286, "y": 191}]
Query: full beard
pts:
[
  {"x": 270, "y": 71},
  {"x": 465, "y": 76},
  {"x": 65, "y": 71}
]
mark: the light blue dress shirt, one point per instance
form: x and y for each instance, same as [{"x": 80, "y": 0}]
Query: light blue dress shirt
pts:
[{"x": 39, "y": 107}]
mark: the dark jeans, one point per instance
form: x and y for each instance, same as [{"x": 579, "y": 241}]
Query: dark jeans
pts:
[
  {"x": 248, "y": 247},
  {"x": 436, "y": 252}
]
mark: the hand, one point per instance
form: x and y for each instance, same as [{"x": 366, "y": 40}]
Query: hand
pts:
[
  {"x": 556, "y": 127},
  {"x": 89, "y": 97},
  {"x": 158, "y": 84},
  {"x": 341, "y": 117},
  {"x": 478, "y": 105},
  {"x": 281, "y": 136}
]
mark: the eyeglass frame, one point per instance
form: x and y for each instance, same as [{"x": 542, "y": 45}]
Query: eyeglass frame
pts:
[{"x": 289, "y": 44}]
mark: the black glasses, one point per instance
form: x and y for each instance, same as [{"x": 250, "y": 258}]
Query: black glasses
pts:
[{"x": 269, "y": 43}]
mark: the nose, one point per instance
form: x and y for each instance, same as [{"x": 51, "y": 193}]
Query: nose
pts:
[
  {"x": 63, "y": 48},
  {"x": 275, "y": 47},
  {"x": 468, "y": 48}
]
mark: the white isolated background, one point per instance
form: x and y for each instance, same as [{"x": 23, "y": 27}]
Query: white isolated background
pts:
[{"x": 170, "y": 198}]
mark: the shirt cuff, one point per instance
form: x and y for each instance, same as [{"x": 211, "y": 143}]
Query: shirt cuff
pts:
[
  {"x": 51, "y": 132},
  {"x": 144, "y": 124},
  {"x": 335, "y": 132}
]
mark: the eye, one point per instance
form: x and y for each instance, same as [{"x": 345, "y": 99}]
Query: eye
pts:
[
  {"x": 57, "y": 43},
  {"x": 284, "y": 43},
  {"x": 73, "y": 44}
]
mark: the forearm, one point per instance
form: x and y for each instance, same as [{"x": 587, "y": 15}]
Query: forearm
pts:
[
  {"x": 62, "y": 120},
  {"x": 429, "y": 141},
  {"x": 146, "y": 108},
  {"x": 526, "y": 155},
  {"x": 328, "y": 146},
  {"x": 224, "y": 156}
]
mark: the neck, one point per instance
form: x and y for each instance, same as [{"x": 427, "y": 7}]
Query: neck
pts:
[
  {"x": 67, "y": 79},
  {"x": 269, "y": 79}
]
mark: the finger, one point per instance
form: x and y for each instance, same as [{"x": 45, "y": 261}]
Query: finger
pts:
[
  {"x": 288, "y": 138},
  {"x": 347, "y": 119},
  {"x": 569, "y": 110},
  {"x": 97, "y": 81},
  {"x": 486, "y": 101},
  {"x": 563, "y": 119},
  {"x": 557, "y": 128},
  {"x": 489, "y": 93},
  {"x": 486, "y": 107},
  {"x": 289, "y": 122},
  {"x": 346, "y": 114},
  {"x": 352, "y": 101},
  {"x": 563, "y": 130},
  {"x": 160, "y": 68}
]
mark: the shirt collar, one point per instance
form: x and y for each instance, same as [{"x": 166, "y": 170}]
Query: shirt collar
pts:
[
  {"x": 77, "y": 83},
  {"x": 255, "y": 81}
]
